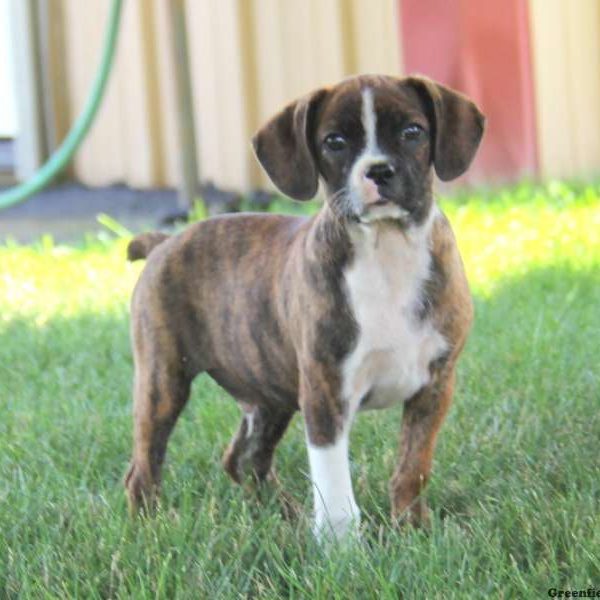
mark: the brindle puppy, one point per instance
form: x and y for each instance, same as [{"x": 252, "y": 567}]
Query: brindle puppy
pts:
[{"x": 364, "y": 305}]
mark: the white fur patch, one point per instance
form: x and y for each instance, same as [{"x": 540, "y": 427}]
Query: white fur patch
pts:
[
  {"x": 391, "y": 359},
  {"x": 249, "y": 416},
  {"x": 358, "y": 185},
  {"x": 369, "y": 121},
  {"x": 336, "y": 511}
]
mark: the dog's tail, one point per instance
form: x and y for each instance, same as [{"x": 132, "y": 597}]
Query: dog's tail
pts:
[{"x": 141, "y": 245}]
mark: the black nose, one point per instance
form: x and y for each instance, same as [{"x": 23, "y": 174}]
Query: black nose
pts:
[{"x": 380, "y": 172}]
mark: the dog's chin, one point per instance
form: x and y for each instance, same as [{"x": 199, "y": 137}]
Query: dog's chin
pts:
[
  {"x": 355, "y": 209},
  {"x": 383, "y": 210}
]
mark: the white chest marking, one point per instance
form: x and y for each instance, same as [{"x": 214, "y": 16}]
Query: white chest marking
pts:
[
  {"x": 394, "y": 349},
  {"x": 391, "y": 359}
]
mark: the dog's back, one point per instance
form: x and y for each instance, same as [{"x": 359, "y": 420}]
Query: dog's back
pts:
[{"x": 188, "y": 275}]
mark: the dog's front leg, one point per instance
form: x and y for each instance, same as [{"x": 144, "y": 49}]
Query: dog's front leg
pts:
[
  {"x": 336, "y": 511},
  {"x": 422, "y": 418},
  {"x": 327, "y": 436}
]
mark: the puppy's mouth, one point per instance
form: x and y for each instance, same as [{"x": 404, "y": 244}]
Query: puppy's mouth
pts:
[
  {"x": 382, "y": 209},
  {"x": 381, "y": 202}
]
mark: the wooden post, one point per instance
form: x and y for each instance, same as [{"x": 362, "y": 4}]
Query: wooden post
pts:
[
  {"x": 30, "y": 149},
  {"x": 185, "y": 106}
]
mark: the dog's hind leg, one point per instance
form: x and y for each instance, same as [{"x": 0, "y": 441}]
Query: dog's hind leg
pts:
[
  {"x": 251, "y": 450},
  {"x": 161, "y": 391}
]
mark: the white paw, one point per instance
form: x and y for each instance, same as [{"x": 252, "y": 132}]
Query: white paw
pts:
[{"x": 338, "y": 526}]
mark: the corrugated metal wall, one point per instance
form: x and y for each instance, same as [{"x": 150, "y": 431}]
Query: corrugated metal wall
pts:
[
  {"x": 566, "y": 62},
  {"x": 249, "y": 57},
  {"x": 484, "y": 53}
]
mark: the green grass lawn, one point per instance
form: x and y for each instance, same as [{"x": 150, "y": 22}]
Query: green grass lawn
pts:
[{"x": 516, "y": 480}]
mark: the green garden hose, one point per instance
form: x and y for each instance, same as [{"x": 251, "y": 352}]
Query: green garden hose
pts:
[{"x": 63, "y": 154}]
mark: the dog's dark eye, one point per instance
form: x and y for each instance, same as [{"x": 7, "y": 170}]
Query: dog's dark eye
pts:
[
  {"x": 412, "y": 133},
  {"x": 335, "y": 142}
]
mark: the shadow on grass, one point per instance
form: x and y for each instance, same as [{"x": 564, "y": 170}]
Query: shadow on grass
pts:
[
  {"x": 516, "y": 470},
  {"x": 526, "y": 401},
  {"x": 519, "y": 438},
  {"x": 525, "y": 412}
]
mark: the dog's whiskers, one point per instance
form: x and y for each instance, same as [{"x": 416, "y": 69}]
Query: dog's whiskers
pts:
[{"x": 339, "y": 202}]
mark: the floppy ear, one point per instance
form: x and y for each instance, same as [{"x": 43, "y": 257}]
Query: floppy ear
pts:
[
  {"x": 283, "y": 148},
  {"x": 457, "y": 127}
]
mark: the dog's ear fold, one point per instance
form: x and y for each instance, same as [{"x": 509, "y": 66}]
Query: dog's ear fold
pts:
[
  {"x": 457, "y": 127},
  {"x": 284, "y": 149}
]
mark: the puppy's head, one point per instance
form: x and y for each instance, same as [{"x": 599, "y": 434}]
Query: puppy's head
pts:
[{"x": 373, "y": 140}]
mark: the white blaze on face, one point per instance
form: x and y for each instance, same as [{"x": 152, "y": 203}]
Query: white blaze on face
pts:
[
  {"x": 369, "y": 121},
  {"x": 363, "y": 191}
]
